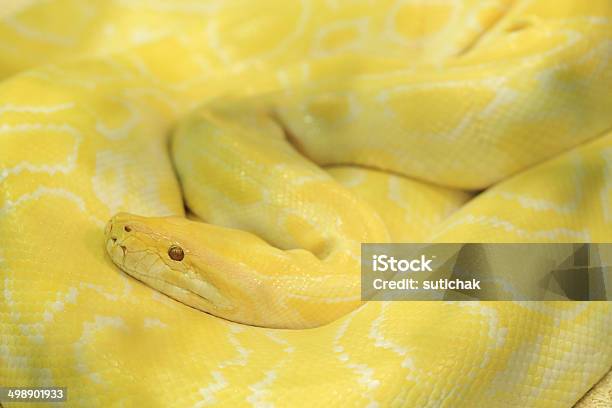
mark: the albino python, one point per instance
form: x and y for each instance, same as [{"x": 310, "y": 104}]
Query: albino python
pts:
[{"x": 293, "y": 131}]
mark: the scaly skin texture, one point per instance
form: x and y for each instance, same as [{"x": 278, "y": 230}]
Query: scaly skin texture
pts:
[{"x": 440, "y": 97}]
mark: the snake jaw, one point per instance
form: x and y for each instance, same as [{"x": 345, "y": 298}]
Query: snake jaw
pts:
[{"x": 145, "y": 255}]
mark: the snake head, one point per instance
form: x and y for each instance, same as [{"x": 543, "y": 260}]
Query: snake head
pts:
[{"x": 157, "y": 251}]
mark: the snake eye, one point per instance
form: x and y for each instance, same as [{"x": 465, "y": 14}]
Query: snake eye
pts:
[{"x": 176, "y": 253}]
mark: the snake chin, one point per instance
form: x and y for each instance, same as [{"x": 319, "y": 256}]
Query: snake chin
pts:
[{"x": 143, "y": 254}]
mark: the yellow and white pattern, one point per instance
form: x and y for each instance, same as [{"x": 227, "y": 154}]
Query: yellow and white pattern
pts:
[{"x": 444, "y": 120}]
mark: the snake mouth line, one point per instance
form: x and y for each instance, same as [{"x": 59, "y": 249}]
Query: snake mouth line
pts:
[{"x": 142, "y": 277}]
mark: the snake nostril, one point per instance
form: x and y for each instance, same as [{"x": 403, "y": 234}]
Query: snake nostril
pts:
[
  {"x": 127, "y": 228},
  {"x": 114, "y": 239}
]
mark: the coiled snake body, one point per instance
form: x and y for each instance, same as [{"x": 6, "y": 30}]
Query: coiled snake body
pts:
[{"x": 297, "y": 131}]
